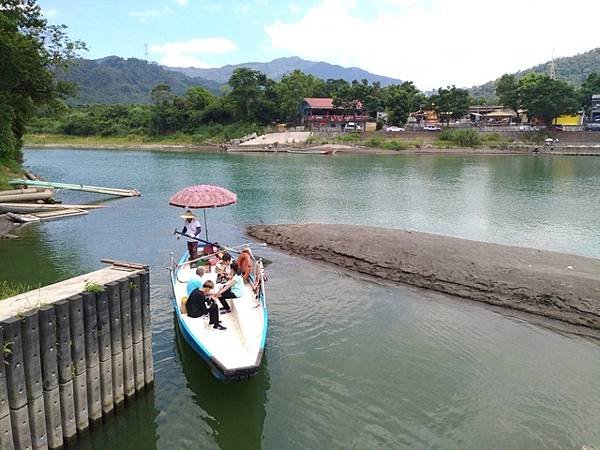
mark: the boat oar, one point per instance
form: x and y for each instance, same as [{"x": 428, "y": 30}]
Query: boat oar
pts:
[{"x": 216, "y": 244}]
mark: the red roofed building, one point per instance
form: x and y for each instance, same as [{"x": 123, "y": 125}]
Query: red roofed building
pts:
[{"x": 319, "y": 114}]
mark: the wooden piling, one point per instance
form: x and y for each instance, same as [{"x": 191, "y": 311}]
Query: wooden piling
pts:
[
  {"x": 146, "y": 327},
  {"x": 65, "y": 370},
  {"x": 137, "y": 332},
  {"x": 51, "y": 390},
  {"x": 33, "y": 378},
  {"x": 15, "y": 383},
  {"x": 6, "y": 439},
  {"x": 76, "y": 325},
  {"x": 90, "y": 325},
  {"x": 127, "y": 337},
  {"x": 114, "y": 307},
  {"x": 104, "y": 350}
]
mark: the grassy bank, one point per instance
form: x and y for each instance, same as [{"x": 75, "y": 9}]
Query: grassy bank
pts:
[
  {"x": 10, "y": 289},
  {"x": 105, "y": 141},
  {"x": 8, "y": 171}
]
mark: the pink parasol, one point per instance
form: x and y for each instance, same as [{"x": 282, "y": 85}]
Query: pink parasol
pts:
[{"x": 203, "y": 196}]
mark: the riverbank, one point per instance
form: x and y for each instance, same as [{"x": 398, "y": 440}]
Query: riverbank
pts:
[
  {"x": 550, "y": 284},
  {"x": 177, "y": 145}
]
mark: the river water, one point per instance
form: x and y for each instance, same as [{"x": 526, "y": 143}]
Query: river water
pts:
[{"x": 352, "y": 362}]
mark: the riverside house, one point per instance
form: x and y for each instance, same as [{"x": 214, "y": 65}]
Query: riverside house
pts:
[{"x": 319, "y": 114}]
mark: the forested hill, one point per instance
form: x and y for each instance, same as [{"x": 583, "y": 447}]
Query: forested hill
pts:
[
  {"x": 573, "y": 69},
  {"x": 117, "y": 80},
  {"x": 278, "y": 67}
]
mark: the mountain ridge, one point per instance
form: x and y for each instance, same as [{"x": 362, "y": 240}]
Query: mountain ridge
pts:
[
  {"x": 278, "y": 67},
  {"x": 573, "y": 69}
]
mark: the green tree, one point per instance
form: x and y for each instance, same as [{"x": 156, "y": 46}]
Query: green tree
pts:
[
  {"x": 546, "y": 98},
  {"x": 508, "y": 93},
  {"x": 591, "y": 86},
  {"x": 450, "y": 103},
  {"x": 253, "y": 96},
  {"x": 294, "y": 87},
  {"x": 197, "y": 99},
  {"x": 400, "y": 100},
  {"x": 30, "y": 51}
]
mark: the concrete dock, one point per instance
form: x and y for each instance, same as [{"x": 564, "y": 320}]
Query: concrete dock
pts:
[{"x": 73, "y": 352}]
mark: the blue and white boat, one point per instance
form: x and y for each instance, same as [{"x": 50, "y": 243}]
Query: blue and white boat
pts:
[{"x": 235, "y": 353}]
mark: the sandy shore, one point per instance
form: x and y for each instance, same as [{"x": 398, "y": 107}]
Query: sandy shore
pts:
[{"x": 550, "y": 284}]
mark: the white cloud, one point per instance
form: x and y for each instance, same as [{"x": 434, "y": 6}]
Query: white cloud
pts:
[
  {"x": 187, "y": 53},
  {"x": 438, "y": 42},
  {"x": 151, "y": 13},
  {"x": 293, "y": 8},
  {"x": 182, "y": 2}
]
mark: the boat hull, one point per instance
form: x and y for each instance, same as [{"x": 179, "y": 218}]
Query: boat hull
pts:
[{"x": 201, "y": 344}]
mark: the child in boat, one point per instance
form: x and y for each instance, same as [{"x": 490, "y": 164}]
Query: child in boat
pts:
[
  {"x": 223, "y": 268},
  {"x": 234, "y": 288},
  {"x": 200, "y": 303}
]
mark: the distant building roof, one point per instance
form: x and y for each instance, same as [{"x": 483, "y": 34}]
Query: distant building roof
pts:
[{"x": 315, "y": 102}]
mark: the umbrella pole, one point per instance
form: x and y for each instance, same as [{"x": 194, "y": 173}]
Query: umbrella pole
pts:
[{"x": 205, "y": 228}]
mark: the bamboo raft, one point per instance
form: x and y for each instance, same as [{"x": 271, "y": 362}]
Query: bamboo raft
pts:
[
  {"x": 77, "y": 187},
  {"x": 27, "y": 208}
]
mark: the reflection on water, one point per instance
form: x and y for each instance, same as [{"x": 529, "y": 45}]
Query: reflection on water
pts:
[
  {"x": 132, "y": 426},
  {"x": 351, "y": 362},
  {"x": 234, "y": 412}
]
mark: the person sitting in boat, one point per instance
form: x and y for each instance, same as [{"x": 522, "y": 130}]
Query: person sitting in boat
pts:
[
  {"x": 244, "y": 262},
  {"x": 191, "y": 230},
  {"x": 197, "y": 279},
  {"x": 223, "y": 268},
  {"x": 200, "y": 302},
  {"x": 234, "y": 288}
]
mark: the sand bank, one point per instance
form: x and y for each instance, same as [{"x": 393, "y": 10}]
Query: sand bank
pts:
[{"x": 550, "y": 284}]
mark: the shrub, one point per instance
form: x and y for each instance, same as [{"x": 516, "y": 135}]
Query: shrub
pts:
[
  {"x": 464, "y": 138},
  {"x": 375, "y": 141}
]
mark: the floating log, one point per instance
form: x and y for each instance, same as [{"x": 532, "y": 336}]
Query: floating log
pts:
[
  {"x": 43, "y": 216},
  {"x": 125, "y": 264},
  {"x": 29, "y": 196},
  {"x": 22, "y": 191},
  {"x": 78, "y": 187},
  {"x": 26, "y": 208}
]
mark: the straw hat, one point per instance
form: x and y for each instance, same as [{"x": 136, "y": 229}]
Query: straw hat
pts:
[
  {"x": 247, "y": 250},
  {"x": 188, "y": 215}
]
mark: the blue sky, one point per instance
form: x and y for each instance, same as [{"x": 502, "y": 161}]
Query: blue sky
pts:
[{"x": 431, "y": 42}]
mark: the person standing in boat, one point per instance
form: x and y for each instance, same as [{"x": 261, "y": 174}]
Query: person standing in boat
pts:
[
  {"x": 244, "y": 262},
  {"x": 200, "y": 303},
  {"x": 191, "y": 229}
]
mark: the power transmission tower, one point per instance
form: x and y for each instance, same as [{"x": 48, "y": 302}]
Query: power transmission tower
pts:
[
  {"x": 146, "y": 52},
  {"x": 552, "y": 68}
]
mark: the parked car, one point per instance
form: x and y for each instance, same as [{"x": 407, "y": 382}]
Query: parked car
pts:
[
  {"x": 432, "y": 128},
  {"x": 394, "y": 129},
  {"x": 352, "y": 126}
]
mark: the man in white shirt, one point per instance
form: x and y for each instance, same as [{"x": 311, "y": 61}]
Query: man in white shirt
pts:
[{"x": 191, "y": 229}]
